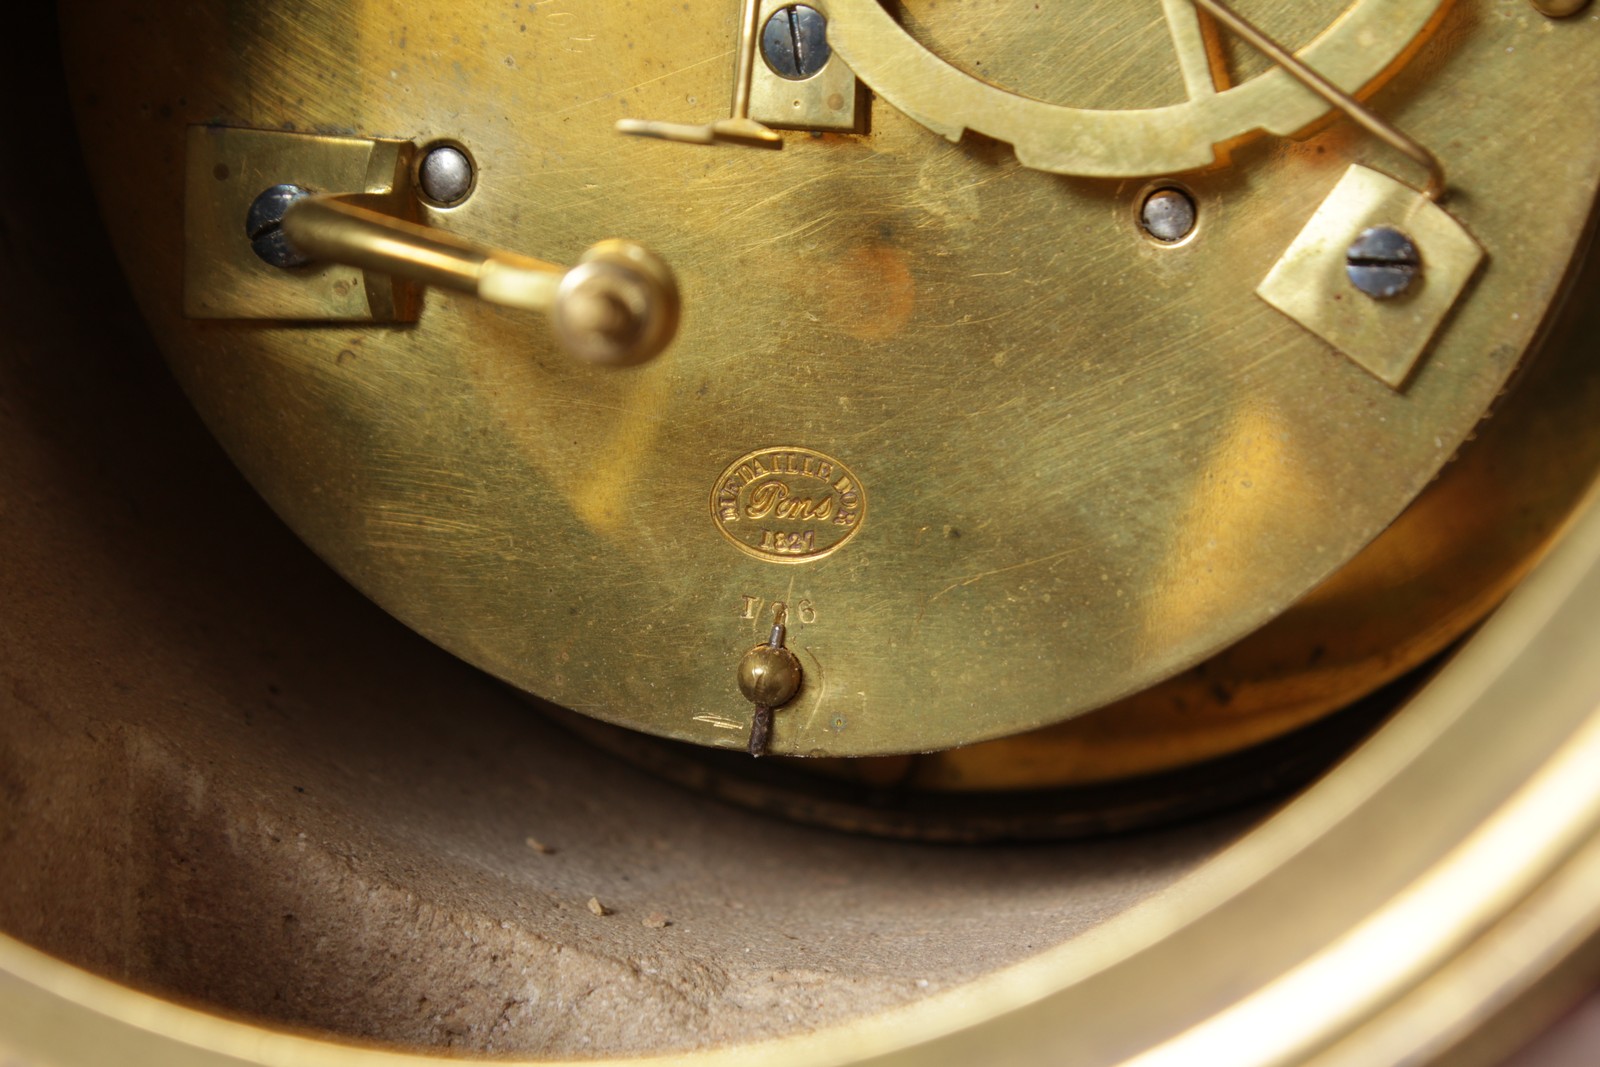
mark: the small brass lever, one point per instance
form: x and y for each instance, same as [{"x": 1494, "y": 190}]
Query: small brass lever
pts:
[{"x": 618, "y": 305}]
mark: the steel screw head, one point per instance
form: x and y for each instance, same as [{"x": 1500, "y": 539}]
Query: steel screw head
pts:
[
  {"x": 795, "y": 42},
  {"x": 264, "y": 226},
  {"x": 1383, "y": 262},
  {"x": 445, "y": 175},
  {"x": 1168, "y": 215}
]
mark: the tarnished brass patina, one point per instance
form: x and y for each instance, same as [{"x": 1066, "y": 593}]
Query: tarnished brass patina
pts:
[
  {"x": 1093, "y": 461},
  {"x": 738, "y": 128},
  {"x": 769, "y": 675},
  {"x": 1313, "y": 79},
  {"x": 1125, "y": 143},
  {"x": 227, "y": 168},
  {"x": 828, "y": 100},
  {"x": 1309, "y": 283},
  {"x": 1339, "y": 933},
  {"x": 249, "y": 821},
  {"x": 617, "y": 305}
]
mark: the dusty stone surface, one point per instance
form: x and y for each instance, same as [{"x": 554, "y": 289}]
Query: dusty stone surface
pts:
[{"x": 227, "y": 777}]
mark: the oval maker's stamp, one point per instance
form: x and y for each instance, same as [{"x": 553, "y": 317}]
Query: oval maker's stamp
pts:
[{"x": 788, "y": 504}]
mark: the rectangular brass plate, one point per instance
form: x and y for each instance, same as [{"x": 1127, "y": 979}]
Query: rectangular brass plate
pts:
[
  {"x": 226, "y": 170},
  {"x": 826, "y": 101},
  {"x": 1384, "y": 337}
]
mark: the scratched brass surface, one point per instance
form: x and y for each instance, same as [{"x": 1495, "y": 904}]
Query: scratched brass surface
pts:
[
  {"x": 1386, "y": 337},
  {"x": 1461, "y": 546},
  {"x": 1429, "y": 902},
  {"x": 1092, "y": 462},
  {"x": 1161, "y": 136},
  {"x": 223, "y": 280}
]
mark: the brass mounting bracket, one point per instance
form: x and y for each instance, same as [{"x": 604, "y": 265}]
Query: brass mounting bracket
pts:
[
  {"x": 829, "y": 100},
  {"x": 228, "y": 167}
]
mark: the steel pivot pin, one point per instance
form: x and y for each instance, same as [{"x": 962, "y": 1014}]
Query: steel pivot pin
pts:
[
  {"x": 769, "y": 677},
  {"x": 1168, "y": 215},
  {"x": 445, "y": 175}
]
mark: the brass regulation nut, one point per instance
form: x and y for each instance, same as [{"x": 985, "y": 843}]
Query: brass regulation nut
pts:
[{"x": 769, "y": 677}]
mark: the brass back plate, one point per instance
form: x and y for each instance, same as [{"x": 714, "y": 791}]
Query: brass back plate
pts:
[{"x": 1092, "y": 461}]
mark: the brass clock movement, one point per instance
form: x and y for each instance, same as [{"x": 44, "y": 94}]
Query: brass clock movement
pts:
[
  {"x": 1041, "y": 358},
  {"x": 961, "y": 399}
]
